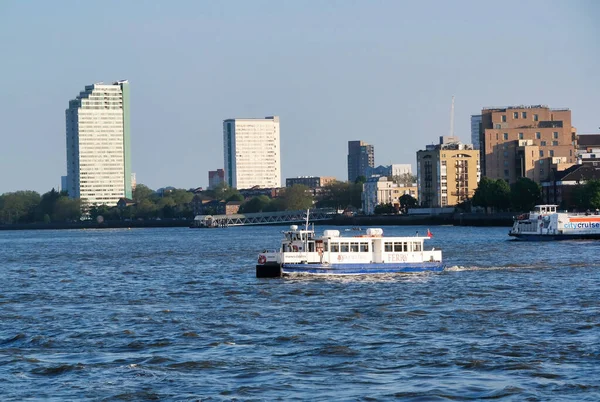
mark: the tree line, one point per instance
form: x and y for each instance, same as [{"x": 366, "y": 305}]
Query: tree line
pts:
[
  {"x": 29, "y": 206},
  {"x": 53, "y": 206},
  {"x": 524, "y": 194}
]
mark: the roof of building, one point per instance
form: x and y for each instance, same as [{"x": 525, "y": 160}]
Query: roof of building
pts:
[
  {"x": 587, "y": 140},
  {"x": 579, "y": 173}
]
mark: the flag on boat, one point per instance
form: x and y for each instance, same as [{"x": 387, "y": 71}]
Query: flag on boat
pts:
[{"x": 429, "y": 234}]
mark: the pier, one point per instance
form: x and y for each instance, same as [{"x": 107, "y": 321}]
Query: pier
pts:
[{"x": 263, "y": 218}]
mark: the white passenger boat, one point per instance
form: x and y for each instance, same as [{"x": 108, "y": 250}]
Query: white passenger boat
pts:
[
  {"x": 301, "y": 252},
  {"x": 545, "y": 222}
]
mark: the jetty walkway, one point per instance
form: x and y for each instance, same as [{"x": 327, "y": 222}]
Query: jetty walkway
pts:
[{"x": 263, "y": 218}]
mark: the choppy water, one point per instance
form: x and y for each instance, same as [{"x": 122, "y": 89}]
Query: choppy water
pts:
[{"x": 177, "y": 314}]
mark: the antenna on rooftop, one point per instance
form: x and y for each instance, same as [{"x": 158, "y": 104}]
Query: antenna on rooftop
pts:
[{"x": 452, "y": 118}]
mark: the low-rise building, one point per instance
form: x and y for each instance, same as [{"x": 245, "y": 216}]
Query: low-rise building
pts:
[
  {"x": 309, "y": 181},
  {"x": 379, "y": 190},
  {"x": 588, "y": 149},
  {"x": 255, "y": 191},
  {"x": 560, "y": 188},
  {"x": 397, "y": 169},
  {"x": 232, "y": 207}
]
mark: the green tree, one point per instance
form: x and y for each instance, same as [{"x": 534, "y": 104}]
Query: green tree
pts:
[
  {"x": 407, "y": 201},
  {"x": 592, "y": 189},
  {"x": 501, "y": 195},
  {"x": 19, "y": 207},
  {"x": 525, "y": 194},
  {"x": 222, "y": 192},
  {"x": 587, "y": 196},
  {"x": 384, "y": 209},
  {"x": 47, "y": 202},
  {"x": 67, "y": 210},
  {"x": 296, "y": 197},
  {"x": 165, "y": 207},
  {"x": 340, "y": 195},
  {"x": 255, "y": 204},
  {"x": 181, "y": 196},
  {"x": 482, "y": 197},
  {"x": 360, "y": 180},
  {"x": 235, "y": 197},
  {"x": 145, "y": 209},
  {"x": 143, "y": 192},
  {"x": 493, "y": 194}
]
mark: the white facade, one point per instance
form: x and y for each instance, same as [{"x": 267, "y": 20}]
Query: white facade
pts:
[
  {"x": 401, "y": 168},
  {"x": 98, "y": 144},
  {"x": 252, "y": 153},
  {"x": 378, "y": 190}
]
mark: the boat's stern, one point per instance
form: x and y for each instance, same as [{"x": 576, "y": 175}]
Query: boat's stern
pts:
[
  {"x": 268, "y": 264},
  {"x": 432, "y": 256}
]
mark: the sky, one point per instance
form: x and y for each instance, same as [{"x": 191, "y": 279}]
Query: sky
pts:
[{"x": 334, "y": 70}]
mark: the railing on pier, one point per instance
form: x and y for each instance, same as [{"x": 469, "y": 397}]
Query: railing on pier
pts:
[{"x": 263, "y": 218}]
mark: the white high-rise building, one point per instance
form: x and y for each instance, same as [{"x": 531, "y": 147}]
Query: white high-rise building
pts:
[
  {"x": 252, "y": 152},
  {"x": 98, "y": 144}
]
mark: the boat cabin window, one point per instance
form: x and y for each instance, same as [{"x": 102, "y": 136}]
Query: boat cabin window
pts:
[
  {"x": 354, "y": 247},
  {"x": 388, "y": 247},
  {"x": 344, "y": 247},
  {"x": 311, "y": 247},
  {"x": 400, "y": 247},
  {"x": 364, "y": 247},
  {"x": 545, "y": 209},
  {"x": 325, "y": 246},
  {"x": 335, "y": 247},
  {"x": 416, "y": 246}
]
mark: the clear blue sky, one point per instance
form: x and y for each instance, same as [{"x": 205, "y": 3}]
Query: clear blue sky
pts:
[{"x": 380, "y": 71}]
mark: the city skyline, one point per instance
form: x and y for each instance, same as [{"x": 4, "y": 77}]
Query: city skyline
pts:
[{"x": 380, "y": 71}]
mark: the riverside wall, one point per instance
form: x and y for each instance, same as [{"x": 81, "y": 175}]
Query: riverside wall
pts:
[
  {"x": 96, "y": 225},
  {"x": 456, "y": 219}
]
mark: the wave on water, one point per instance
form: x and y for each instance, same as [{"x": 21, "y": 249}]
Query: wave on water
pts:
[
  {"x": 507, "y": 267},
  {"x": 57, "y": 370}
]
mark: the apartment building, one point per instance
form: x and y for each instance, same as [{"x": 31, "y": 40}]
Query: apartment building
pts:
[
  {"x": 361, "y": 156},
  {"x": 98, "y": 145},
  {"x": 252, "y": 152},
  {"x": 524, "y": 141},
  {"x": 447, "y": 173}
]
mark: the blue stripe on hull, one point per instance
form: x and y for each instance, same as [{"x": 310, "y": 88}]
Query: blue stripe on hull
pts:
[
  {"x": 361, "y": 269},
  {"x": 539, "y": 237}
]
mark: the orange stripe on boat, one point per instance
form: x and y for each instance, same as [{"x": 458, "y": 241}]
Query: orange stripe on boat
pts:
[{"x": 584, "y": 219}]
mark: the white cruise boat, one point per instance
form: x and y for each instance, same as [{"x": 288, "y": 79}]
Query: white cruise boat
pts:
[
  {"x": 545, "y": 222},
  {"x": 301, "y": 252}
]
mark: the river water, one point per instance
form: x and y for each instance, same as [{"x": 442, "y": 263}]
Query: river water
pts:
[{"x": 178, "y": 314}]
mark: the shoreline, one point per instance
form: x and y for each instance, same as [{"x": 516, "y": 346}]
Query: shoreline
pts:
[{"x": 457, "y": 219}]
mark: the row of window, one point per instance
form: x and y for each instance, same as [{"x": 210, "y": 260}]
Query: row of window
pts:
[
  {"x": 523, "y": 116},
  {"x": 538, "y": 136},
  {"x": 388, "y": 247}
]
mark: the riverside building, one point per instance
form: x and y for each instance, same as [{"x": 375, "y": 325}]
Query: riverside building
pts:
[
  {"x": 252, "y": 153},
  {"x": 526, "y": 141},
  {"x": 361, "y": 157},
  {"x": 447, "y": 173},
  {"x": 98, "y": 145}
]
